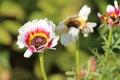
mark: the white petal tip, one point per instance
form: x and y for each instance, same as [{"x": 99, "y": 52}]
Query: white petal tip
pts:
[
  {"x": 85, "y": 35},
  {"x": 28, "y": 52},
  {"x": 20, "y": 45},
  {"x": 84, "y": 12}
]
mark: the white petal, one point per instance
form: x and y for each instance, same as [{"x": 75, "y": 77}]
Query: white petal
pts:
[
  {"x": 54, "y": 42},
  {"x": 74, "y": 31},
  {"x": 110, "y": 9},
  {"x": 65, "y": 39},
  {"x": 61, "y": 27},
  {"x": 87, "y": 30},
  {"x": 21, "y": 41},
  {"x": 29, "y": 26},
  {"x": 99, "y": 15},
  {"x": 85, "y": 35},
  {"x": 20, "y": 44},
  {"x": 29, "y": 52},
  {"x": 47, "y": 24},
  {"x": 102, "y": 25},
  {"x": 116, "y": 4},
  {"x": 91, "y": 24},
  {"x": 74, "y": 34},
  {"x": 84, "y": 12}
]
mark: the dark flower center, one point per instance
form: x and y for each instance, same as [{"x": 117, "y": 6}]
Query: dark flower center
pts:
[
  {"x": 38, "y": 41},
  {"x": 113, "y": 18},
  {"x": 73, "y": 23}
]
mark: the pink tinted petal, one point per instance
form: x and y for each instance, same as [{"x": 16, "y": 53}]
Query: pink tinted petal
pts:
[
  {"x": 110, "y": 21},
  {"x": 117, "y": 11},
  {"x": 101, "y": 17},
  {"x": 53, "y": 42},
  {"x": 29, "y": 52},
  {"x": 110, "y": 9},
  {"x": 40, "y": 49},
  {"x": 50, "y": 43}
]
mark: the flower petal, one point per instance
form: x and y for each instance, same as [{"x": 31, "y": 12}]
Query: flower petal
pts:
[
  {"x": 74, "y": 34},
  {"x": 65, "y": 39},
  {"x": 53, "y": 42},
  {"x": 110, "y": 9},
  {"x": 88, "y": 29},
  {"x": 84, "y": 12},
  {"x": 29, "y": 52},
  {"x": 91, "y": 24},
  {"x": 20, "y": 44},
  {"x": 101, "y": 17},
  {"x": 61, "y": 27},
  {"x": 116, "y": 4}
]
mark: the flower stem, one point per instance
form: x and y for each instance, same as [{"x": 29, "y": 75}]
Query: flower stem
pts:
[
  {"x": 107, "y": 52},
  {"x": 41, "y": 59},
  {"x": 77, "y": 61},
  {"x": 108, "y": 46}
]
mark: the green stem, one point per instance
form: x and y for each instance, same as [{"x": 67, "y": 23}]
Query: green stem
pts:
[
  {"x": 78, "y": 61},
  {"x": 41, "y": 58},
  {"x": 107, "y": 51},
  {"x": 108, "y": 45}
]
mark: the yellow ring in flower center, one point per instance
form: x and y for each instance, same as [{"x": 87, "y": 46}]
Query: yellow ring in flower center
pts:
[
  {"x": 33, "y": 35},
  {"x": 76, "y": 22}
]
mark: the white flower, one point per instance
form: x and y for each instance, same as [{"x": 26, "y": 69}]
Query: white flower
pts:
[
  {"x": 71, "y": 27},
  {"x": 37, "y": 36}
]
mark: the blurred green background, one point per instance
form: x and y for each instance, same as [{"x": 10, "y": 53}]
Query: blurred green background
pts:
[{"x": 14, "y": 13}]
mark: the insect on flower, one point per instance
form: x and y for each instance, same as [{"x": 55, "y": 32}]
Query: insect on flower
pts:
[
  {"x": 113, "y": 18},
  {"x": 71, "y": 27},
  {"x": 37, "y": 36}
]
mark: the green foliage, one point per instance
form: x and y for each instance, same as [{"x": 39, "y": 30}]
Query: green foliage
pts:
[
  {"x": 115, "y": 45},
  {"x": 5, "y": 37},
  {"x": 12, "y": 9},
  {"x": 11, "y": 26},
  {"x": 4, "y": 60},
  {"x": 57, "y": 77}
]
